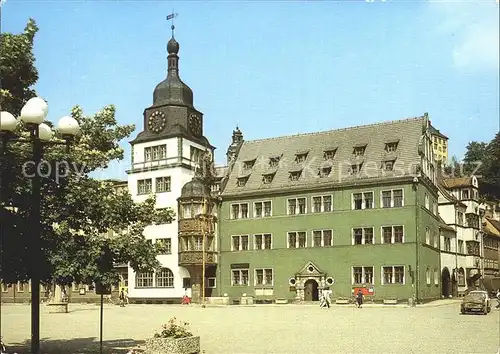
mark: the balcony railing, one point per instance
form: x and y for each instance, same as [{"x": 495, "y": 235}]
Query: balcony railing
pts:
[{"x": 196, "y": 257}]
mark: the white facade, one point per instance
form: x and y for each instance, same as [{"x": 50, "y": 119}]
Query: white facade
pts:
[{"x": 166, "y": 165}]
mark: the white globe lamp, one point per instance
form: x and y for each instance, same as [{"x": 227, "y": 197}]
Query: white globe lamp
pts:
[
  {"x": 40, "y": 103},
  {"x": 44, "y": 132},
  {"x": 32, "y": 114},
  {"x": 8, "y": 122},
  {"x": 68, "y": 126}
]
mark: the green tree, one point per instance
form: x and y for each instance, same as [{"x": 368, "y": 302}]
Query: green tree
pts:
[{"x": 77, "y": 211}]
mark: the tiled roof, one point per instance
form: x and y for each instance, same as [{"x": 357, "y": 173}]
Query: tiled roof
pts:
[
  {"x": 221, "y": 171},
  {"x": 457, "y": 182},
  {"x": 495, "y": 223},
  {"x": 373, "y": 138},
  {"x": 435, "y": 131}
]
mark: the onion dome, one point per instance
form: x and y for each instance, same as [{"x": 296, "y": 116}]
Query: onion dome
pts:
[{"x": 196, "y": 188}]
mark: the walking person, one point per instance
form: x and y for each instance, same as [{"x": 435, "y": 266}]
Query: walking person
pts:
[
  {"x": 327, "y": 294},
  {"x": 498, "y": 299},
  {"x": 126, "y": 297},
  {"x": 359, "y": 298},
  {"x": 122, "y": 298}
]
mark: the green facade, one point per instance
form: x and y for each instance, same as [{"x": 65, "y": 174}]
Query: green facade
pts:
[{"x": 335, "y": 261}]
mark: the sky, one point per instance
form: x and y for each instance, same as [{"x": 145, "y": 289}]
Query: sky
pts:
[{"x": 273, "y": 68}]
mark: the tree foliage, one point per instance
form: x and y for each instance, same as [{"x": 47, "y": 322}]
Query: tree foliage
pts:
[{"x": 87, "y": 226}]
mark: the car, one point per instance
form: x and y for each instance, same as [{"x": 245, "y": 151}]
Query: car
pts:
[{"x": 476, "y": 301}]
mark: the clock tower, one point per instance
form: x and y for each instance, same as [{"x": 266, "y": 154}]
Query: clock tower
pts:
[{"x": 165, "y": 156}]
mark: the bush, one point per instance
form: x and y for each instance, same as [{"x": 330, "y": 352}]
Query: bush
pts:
[{"x": 174, "y": 330}]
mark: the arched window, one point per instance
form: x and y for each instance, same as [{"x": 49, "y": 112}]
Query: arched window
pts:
[{"x": 165, "y": 278}]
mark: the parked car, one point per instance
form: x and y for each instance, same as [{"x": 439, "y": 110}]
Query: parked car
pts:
[{"x": 476, "y": 301}]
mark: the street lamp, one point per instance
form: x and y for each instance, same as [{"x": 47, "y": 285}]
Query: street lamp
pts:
[{"x": 32, "y": 115}]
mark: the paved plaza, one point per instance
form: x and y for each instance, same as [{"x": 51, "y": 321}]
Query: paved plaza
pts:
[{"x": 264, "y": 329}]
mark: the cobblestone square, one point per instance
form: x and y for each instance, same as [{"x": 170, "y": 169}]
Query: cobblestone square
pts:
[{"x": 263, "y": 329}]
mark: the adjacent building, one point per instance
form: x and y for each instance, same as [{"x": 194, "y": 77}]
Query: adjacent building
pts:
[
  {"x": 439, "y": 146},
  {"x": 349, "y": 209}
]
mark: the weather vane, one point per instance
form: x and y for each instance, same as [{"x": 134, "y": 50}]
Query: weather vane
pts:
[{"x": 171, "y": 17}]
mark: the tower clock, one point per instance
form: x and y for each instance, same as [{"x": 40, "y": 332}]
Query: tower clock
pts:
[
  {"x": 157, "y": 122},
  {"x": 195, "y": 124}
]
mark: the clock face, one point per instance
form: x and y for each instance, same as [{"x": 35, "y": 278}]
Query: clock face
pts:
[
  {"x": 156, "y": 122},
  {"x": 195, "y": 124}
]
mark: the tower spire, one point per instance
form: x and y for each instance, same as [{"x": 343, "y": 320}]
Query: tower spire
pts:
[{"x": 171, "y": 17}]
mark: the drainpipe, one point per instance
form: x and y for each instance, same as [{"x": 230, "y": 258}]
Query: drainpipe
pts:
[
  {"x": 456, "y": 245},
  {"x": 417, "y": 241}
]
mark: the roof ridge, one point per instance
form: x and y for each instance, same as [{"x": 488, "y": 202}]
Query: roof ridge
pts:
[{"x": 335, "y": 130}]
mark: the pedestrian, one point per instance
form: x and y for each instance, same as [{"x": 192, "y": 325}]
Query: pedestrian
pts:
[
  {"x": 498, "y": 299},
  {"x": 126, "y": 296},
  {"x": 359, "y": 298},
  {"x": 326, "y": 294},
  {"x": 64, "y": 295},
  {"x": 122, "y": 298}
]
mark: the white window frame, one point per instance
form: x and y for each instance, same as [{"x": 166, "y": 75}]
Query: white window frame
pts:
[
  {"x": 435, "y": 241},
  {"x": 166, "y": 279},
  {"x": 145, "y": 181},
  {"x": 214, "y": 280},
  {"x": 297, "y": 209},
  {"x": 322, "y": 203},
  {"x": 240, "y": 273},
  {"x": 264, "y": 273},
  {"x": 427, "y": 236},
  {"x": 263, "y": 235},
  {"x": 428, "y": 276},
  {"x": 436, "y": 277},
  {"x": 427, "y": 201},
  {"x": 262, "y": 203},
  {"x": 240, "y": 243},
  {"x": 392, "y": 198},
  {"x": 166, "y": 181},
  {"x": 393, "y": 234},
  {"x": 382, "y": 280},
  {"x": 296, "y": 239},
  {"x": 445, "y": 239},
  {"x": 152, "y": 276},
  {"x": 363, "y": 275},
  {"x": 363, "y": 200},
  {"x": 167, "y": 242},
  {"x": 322, "y": 237},
  {"x": 240, "y": 214},
  {"x": 363, "y": 240}
]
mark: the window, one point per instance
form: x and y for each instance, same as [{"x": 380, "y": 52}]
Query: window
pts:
[
  {"x": 165, "y": 278},
  {"x": 262, "y": 209},
  {"x": 460, "y": 219},
  {"x": 392, "y": 198},
  {"x": 155, "y": 153},
  {"x": 359, "y": 150},
  {"x": 392, "y": 234},
  {"x": 393, "y": 275},
  {"x": 362, "y": 236},
  {"x": 274, "y": 161},
  {"x": 428, "y": 275},
  {"x": 264, "y": 277},
  {"x": 186, "y": 283},
  {"x": 20, "y": 287},
  {"x": 390, "y": 147},
  {"x": 239, "y": 211},
  {"x": 329, "y": 154},
  {"x": 248, "y": 165},
  {"x": 435, "y": 208},
  {"x": 144, "y": 280},
  {"x": 362, "y": 200},
  {"x": 262, "y": 241},
  {"x": 427, "y": 236},
  {"x": 435, "y": 239},
  {"x": 447, "y": 244},
  {"x": 239, "y": 277},
  {"x": 426, "y": 198},
  {"x": 296, "y": 206},
  {"x": 362, "y": 275},
  {"x": 461, "y": 247},
  {"x": 144, "y": 186},
  {"x": 465, "y": 194},
  {"x": 196, "y": 155},
  {"x": 325, "y": 171},
  {"x": 211, "y": 283},
  {"x": 436, "y": 277},
  {"x": 242, "y": 181},
  {"x": 239, "y": 243},
  {"x": 162, "y": 184},
  {"x": 388, "y": 165},
  {"x": 5, "y": 287},
  {"x": 297, "y": 239},
  {"x": 322, "y": 238},
  {"x": 165, "y": 245},
  {"x": 356, "y": 168},
  {"x": 322, "y": 204},
  {"x": 268, "y": 178},
  {"x": 300, "y": 158},
  {"x": 295, "y": 175}
]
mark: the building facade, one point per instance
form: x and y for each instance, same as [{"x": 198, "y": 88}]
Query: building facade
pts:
[
  {"x": 348, "y": 209},
  {"x": 439, "y": 146},
  {"x": 164, "y": 157}
]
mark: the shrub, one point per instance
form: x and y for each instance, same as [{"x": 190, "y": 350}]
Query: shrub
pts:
[{"x": 174, "y": 330}]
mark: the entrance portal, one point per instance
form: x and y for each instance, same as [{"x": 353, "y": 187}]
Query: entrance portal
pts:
[
  {"x": 446, "y": 283},
  {"x": 311, "y": 290}
]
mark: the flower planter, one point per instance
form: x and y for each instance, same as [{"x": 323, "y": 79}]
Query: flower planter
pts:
[
  {"x": 187, "y": 345},
  {"x": 61, "y": 307},
  {"x": 390, "y": 301}
]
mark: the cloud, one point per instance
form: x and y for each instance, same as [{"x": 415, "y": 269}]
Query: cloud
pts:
[{"x": 473, "y": 27}]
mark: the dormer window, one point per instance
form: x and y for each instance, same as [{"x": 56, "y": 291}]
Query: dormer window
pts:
[
  {"x": 301, "y": 157},
  {"x": 356, "y": 168},
  {"x": 359, "y": 150},
  {"x": 391, "y": 146},
  {"x": 248, "y": 165},
  {"x": 329, "y": 154},
  {"x": 242, "y": 181},
  {"x": 268, "y": 178},
  {"x": 295, "y": 175},
  {"x": 325, "y": 171},
  {"x": 388, "y": 165},
  {"x": 274, "y": 161}
]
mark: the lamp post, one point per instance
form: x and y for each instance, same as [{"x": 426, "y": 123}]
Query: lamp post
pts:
[{"x": 32, "y": 115}]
